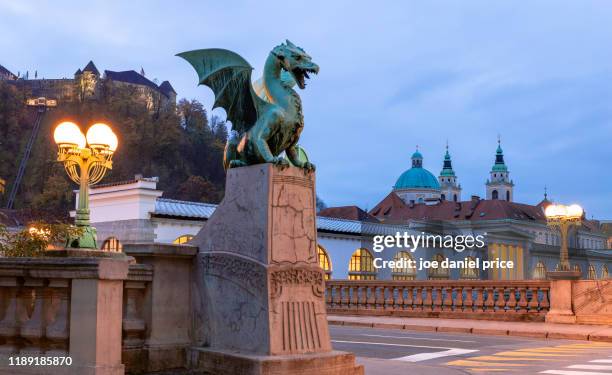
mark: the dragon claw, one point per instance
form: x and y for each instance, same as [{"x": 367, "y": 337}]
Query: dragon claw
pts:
[
  {"x": 309, "y": 167},
  {"x": 281, "y": 162}
]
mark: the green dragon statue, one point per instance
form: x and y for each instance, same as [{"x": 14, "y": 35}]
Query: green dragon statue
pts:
[{"x": 263, "y": 126}]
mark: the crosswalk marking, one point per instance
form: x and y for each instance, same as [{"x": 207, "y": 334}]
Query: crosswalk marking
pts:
[
  {"x": 471, "y": 363},
  {"x": 532, "y": 354},
  {"x": 500, "y": 358},
  {"x": 426, "y": 356},
  {"x": 591, "y": 367}
]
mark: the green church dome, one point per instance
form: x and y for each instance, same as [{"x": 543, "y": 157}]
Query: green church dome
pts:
[{"x": 417, "y": 177}]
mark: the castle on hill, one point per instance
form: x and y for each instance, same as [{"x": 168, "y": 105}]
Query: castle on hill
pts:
[{"x": 89, "y": 84}]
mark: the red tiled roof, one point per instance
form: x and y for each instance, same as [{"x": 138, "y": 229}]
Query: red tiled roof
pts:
[
  {"x": 348, "y": 212},
  {"x": 392, "y": 208}
]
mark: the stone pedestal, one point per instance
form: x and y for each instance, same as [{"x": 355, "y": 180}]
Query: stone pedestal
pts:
[
  {"x": 561, "y": 302},
  {"x": 259, "y": 292}
]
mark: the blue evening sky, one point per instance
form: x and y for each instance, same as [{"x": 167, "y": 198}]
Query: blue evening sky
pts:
[{"x": 394, "y": 74}]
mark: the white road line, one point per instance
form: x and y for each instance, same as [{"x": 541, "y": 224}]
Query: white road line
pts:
[
  {"x": 389, "y": 344},
  {"x": 591, "y": 367},
  {"x": 425, "y": 356},
  {"x": 416, "y": 338},
  {"x": 601, "y": 361},
  {"x": 416, "y": 357},
  {"x": 566, "y": 372}
]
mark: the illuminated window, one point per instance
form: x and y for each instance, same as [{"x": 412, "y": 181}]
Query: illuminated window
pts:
[
  {"x": 362, "y": 266},
  {"x": 604, "y": 272},
  {"x": 438, "y": 273},
  {"x": 324, "y": 261},
  {"x": 405, "y": 272},
  {"x": 577, "y": 268},
  {"x": 495, "y": 194},
  {"x": 112, "y": 244},
  {"x": 469, "y": 272},
  {"x": 592, "y": 274},
  {"x": 183, "y": 239},
  {"x": 539, "y": 272}
]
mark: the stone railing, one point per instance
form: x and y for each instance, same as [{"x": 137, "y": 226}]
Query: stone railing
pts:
[
  {"x": 61, "y": 307},
  {"x": 135, "y": 291},
  {"x": 157, "y": 307},
  {"x": 477, "y": 299}
]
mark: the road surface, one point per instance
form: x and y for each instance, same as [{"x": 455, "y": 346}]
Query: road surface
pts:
[{"x": 390, "y": 352}]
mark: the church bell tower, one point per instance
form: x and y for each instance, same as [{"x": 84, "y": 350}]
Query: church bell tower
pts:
[{"x": 499, "y": 185}]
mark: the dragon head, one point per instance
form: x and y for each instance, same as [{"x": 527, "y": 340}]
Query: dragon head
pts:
[{"x": 296, "y": 61}]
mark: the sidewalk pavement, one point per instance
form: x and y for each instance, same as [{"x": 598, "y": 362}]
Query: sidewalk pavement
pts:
[{"x": 480, "y": 327}]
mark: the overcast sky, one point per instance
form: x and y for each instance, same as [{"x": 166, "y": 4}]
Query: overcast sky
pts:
[{"x": 393, "y": 75}]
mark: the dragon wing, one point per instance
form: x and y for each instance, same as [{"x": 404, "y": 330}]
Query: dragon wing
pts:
[{"x": 229, "y": 77}]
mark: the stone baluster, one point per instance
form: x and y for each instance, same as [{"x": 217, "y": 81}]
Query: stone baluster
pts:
[
  {"x": 479, "y": 302},
  {"x": 490, "y": 302},
  {"x": 9, "y": 325},
  {"x": 544, "y": 303},
  {"x": 468, "y": 302},
  {"x": 371, "y": 296},
  {"x": 353, "y": 301},
  {"x": 388, "y": 295},
  {"x": 328, "y": 296},
  {"x": 362, "y": 297},
  {"x": 418, "y": 299},
  {"x": 427, "y": 302},
  {"x": 408, "y": 300},
  {"x": 33, "y": 329},
  {"x": 533, "y": 302},
  {"x": 500, "y": 304},
  {"x": 133, "y": 325},
  {"x": 336, "y": 296},
  {"x": 458, "y": 304},
  {"x": 437, "y": 303},
  {"x": 522, "y": 304},
  {"x": 344, "y": 300},
  {"x": 399, "y": 299},
  {"x": 58, "y": 329},
  {"x": 511, "y": 303},
  {"x": 447, "y": 298}
]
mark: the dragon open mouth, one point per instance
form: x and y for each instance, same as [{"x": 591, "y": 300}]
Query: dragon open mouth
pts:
[{"x": 301, "y": 75}]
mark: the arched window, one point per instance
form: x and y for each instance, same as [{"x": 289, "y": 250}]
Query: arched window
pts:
[
  {"x": 403, "y": 271},
  {"x": 420, "y": 200},
  {"x": 324, "y": 262},
  {"x": 508, "y": 195},
  {"x": 577, "y": 268},
  {"x": 604, "y": 272},
  {"x": 495, "y": 194},
  {"x": 361, "y": 266},
  {"x": 112, "y": 244},
  {"x": 592, "y": 274},
  {"x": 443, "y": 197},
  {"x": 539, "y": 272},
  {"x": 183, "y": 239},
  {"x": 469, "y": 272},
  {"x": 455, "y": 197},
  {"x": 438, "y": 273}
]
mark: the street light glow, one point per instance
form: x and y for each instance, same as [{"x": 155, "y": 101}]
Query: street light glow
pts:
[
  {"x": 560, "y": 211},
  {"x": 68, "y": 133},
  {"x": 101, "y": 135}
]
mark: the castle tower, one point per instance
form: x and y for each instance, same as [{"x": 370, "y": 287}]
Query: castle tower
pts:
[
  {"x": 450, "y": 190},
  {"x": 88, "y": 82},
  {"x": 499, "y": 185}
]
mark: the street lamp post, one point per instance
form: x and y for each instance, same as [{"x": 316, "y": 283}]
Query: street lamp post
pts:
[
  {"x": 86, "y": 160},
  {"x": 562, "y": 218}
]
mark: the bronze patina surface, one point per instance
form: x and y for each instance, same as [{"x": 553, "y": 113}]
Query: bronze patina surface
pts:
[{"x": 263, "y": 126}]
